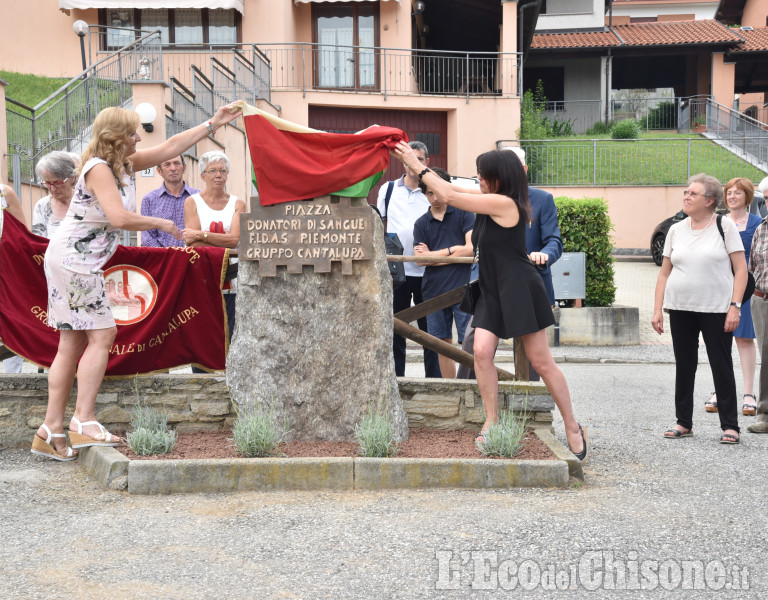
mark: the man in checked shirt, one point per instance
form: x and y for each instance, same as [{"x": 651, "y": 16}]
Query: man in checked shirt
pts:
[
  {"x": 167, "y": 202},
  {"x": 758, "y": 266}
]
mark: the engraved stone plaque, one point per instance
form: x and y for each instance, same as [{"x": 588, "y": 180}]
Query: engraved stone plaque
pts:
[{"x": 315, "y": 232}]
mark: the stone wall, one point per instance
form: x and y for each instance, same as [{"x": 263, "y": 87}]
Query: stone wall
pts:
[{"x": 194, "y": 402}]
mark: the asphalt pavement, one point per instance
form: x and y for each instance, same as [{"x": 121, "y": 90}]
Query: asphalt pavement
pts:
[{"x": 655, "y": 518}]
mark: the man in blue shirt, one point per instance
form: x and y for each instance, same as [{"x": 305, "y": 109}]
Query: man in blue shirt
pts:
[
  {"x": 443, "y": 231},
  {"x": 544, "y": 246},
  {"x": 167, "y": 202}
]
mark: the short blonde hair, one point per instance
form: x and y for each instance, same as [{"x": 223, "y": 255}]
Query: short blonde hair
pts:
[{"x": 111, "y": 130}]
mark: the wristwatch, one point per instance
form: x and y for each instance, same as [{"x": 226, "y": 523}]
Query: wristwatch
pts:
[
  {"x": 205, "y": 236},
  {"x": 736, "y": 304}
]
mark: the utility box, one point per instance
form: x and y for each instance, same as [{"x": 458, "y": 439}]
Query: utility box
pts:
[{"x": 569, "y": 276}]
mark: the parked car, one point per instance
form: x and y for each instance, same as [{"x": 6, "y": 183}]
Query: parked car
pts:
[{"x": 659, "y": 235}]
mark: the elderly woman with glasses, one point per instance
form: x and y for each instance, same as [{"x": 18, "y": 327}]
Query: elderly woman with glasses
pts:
[
  {"x": 212, "y": 218},
  {"x": 701, "y": 284},
  {"x": 58, "y": 172}
]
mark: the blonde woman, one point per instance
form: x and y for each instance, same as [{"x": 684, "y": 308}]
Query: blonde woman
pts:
[{"x": 103, "y": 204}]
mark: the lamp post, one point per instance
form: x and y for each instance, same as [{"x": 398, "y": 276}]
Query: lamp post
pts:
[{"x": 80, "y": 27}]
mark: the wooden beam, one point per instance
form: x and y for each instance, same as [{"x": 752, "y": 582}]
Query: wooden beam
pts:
[
  {"x": 521, "y": 361},
  {"x": 414, "y": 313},
  {"x": 448, "y": 350}
]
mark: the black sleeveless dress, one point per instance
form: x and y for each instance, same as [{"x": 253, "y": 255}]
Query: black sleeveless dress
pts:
[{"x": 513, "y": 300}]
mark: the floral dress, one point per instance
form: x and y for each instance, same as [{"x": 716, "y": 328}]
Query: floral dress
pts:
[{"x": 76, "y": 254}]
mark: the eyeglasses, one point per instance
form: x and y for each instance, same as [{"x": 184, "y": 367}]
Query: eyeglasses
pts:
[
  {"x": 55, "y": 184},
  {"x": 693, "y": 194},
  {"x": 217, "y": 171}
]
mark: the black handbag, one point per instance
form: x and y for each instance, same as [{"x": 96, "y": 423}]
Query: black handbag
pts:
[
  {"x": 750, "y": 289},
  {"x": 393, "y": 245},
  {"x": 471, "y": 296}
]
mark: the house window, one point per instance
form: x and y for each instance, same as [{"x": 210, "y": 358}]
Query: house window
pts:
[
  {"x": 346, "y": 37},
  {"x": 177, "y": 26}
]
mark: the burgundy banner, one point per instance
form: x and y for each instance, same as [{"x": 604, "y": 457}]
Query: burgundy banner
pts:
[{"x": 167, "y": 304}]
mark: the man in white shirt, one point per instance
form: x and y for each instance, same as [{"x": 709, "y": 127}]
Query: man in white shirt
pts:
[{"x": 400, "y": 203}]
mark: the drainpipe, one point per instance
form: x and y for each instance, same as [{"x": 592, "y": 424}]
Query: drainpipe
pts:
[
  {"x": 520, "y": 31},
  {"x": 607, "y": 87},
  {"x": 608, "y": 68}
]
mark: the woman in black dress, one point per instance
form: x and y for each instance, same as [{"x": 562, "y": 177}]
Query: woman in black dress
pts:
[{"x": 513, "y": 301}]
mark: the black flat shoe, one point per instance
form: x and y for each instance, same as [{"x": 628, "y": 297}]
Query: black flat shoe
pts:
[{"x": 582, "y": 456}]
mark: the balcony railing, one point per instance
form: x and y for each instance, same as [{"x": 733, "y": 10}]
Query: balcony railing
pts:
[{"x": 360, "y": 69}]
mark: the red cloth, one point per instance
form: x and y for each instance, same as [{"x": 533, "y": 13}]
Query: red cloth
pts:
[
  {"x": 297, "y": 166},
  {"x": 179, "y": 322}
]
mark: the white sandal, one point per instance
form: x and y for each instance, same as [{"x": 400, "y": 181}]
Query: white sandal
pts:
[
  {"x": 43, "y": 447},
  {"x": 80, "y": 440}
]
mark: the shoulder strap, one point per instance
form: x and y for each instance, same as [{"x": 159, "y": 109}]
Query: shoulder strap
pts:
[
  {"x": 390, "y": 187},
  {"x": 720, "y": 227}
]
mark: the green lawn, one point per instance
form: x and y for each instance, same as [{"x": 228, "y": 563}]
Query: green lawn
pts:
[
  {"x": 30, "y": 89},
  {"x": 655, "y": 159}
]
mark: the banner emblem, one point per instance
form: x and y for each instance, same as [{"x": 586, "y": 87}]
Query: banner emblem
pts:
[{"x": 132, "y": 293}]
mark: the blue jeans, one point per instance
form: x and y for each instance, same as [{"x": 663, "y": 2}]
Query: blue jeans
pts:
[{"x": 440, "y": 323}]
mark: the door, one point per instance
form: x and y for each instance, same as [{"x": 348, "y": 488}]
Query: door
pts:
[{"x": 425, "y": 126}]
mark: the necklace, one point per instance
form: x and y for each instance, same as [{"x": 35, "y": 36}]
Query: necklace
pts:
[
  {"x": 740, "y": 221},
  {"x": 700, "y": 231}
]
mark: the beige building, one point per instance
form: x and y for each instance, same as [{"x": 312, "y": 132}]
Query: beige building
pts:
[{"x": 446, "y": 73}]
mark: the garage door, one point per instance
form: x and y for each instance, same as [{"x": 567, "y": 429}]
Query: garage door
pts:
[{"x": 427, "y": 127}]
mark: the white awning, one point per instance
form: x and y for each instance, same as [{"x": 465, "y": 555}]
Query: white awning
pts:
[{"x": 236, "y": 4}]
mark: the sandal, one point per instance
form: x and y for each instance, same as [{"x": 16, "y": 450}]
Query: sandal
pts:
[
  {"x": 582, "y": 456},
  {"x": 103, "y": 438},
  {"x": 674, "y": 433},
  {"x": 711, "y": 405},
  {"x": 43, "y": 447},
  {"x": 729, "y": 438},
  {"x": 750, "y": 408}
]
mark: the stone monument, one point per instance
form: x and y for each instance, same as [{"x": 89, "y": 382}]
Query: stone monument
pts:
[{"x": 314, "y": 323}]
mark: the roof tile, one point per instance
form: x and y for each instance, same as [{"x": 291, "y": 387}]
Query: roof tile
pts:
[
  {"x": 756, "y": 40},
  {"x": 668, "y": 33}
]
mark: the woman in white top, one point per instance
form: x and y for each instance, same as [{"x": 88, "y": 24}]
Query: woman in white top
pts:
[
  {"x": 58, "y": 172},
  {"x": 212, "y": 218},
  {"x": 701, "y": 284}
]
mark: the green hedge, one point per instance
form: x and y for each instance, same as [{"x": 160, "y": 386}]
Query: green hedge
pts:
[{"x": 586, "y": 227}]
